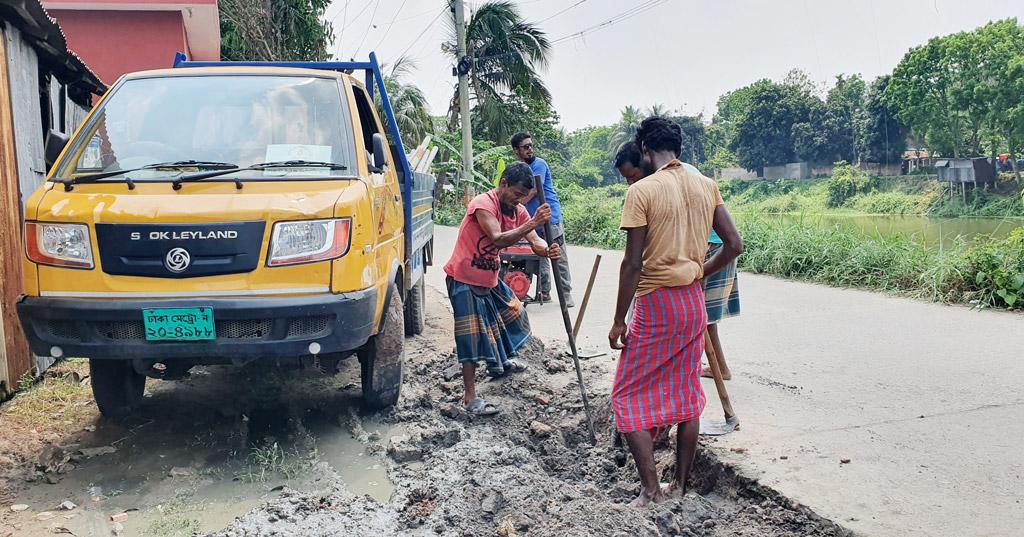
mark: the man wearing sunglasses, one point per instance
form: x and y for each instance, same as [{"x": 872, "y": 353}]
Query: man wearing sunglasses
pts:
[{"x": 522, "y": 144}]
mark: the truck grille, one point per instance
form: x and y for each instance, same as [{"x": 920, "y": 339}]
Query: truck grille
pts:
[
  {"x": 121, "y": 330},
  {"x": 308, "y": 326},
  {"x": 244, "y": 329},
  {"x": 64, "y": 329}
]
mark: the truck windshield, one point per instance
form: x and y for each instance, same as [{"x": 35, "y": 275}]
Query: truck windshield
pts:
[{"x": 242, "y": 120}]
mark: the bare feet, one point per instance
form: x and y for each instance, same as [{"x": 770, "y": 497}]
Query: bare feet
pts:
[
  {"x": 705, "y": 371},
  {"x": 647, "y": 497},
  {"x": 675, "y": 490}
]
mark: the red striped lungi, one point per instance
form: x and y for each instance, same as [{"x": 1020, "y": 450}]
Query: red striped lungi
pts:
[{"x": 657, "y": 381}]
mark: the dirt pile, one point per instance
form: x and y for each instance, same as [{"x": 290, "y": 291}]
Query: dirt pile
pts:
[
  {"x": 278, "y": 445},
  {"x": 530, "y": 470}
]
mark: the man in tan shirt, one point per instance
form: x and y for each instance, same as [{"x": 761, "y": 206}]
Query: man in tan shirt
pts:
[{"x": 668, "y": 216}]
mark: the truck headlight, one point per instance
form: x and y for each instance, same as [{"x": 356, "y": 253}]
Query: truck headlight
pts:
[
  {"x": 59, "y": 245},
  {"x": 308, "y": 241}
]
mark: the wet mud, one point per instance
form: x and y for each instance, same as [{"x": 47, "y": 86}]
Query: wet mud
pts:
[{"x": 261, "y": 452}]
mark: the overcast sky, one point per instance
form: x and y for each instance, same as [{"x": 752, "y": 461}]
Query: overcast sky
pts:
[{"x": 680, "y": 53}]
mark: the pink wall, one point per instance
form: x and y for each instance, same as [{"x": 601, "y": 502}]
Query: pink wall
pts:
[{"x": 113, "y": 43}]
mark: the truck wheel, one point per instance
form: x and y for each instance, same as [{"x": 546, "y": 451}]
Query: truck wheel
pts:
[
  {"x": 381, "y": 358},
  {"x": 117, "y": 387},
  {"x": 415, "y": 310}
]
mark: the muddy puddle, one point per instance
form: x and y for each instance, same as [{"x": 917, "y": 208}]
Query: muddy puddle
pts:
[{"x": 208, "y": 449}]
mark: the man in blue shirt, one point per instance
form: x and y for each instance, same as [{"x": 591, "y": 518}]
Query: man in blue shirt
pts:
[{"x": 522, "y": 144}]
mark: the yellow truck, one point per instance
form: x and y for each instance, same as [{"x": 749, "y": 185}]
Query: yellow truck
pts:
[{"x": 226, "y": 212}]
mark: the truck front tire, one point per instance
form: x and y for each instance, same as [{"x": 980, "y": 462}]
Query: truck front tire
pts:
[
  {"x": 117, "y": 387},
  {"x": 382, "y": 357},
  {"x": 415, "y": 310}
]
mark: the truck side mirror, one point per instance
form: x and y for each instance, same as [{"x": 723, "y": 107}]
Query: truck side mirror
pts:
[
  {"x": 380, "y": 159},
  {"x": 55, "y": 142}
]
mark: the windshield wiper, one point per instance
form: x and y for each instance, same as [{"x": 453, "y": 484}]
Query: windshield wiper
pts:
[
  {"x": 70, "y": 182},
  {"x": 261, "y": 166}
]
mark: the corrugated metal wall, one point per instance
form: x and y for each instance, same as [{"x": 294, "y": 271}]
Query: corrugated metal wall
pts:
[{"x": 22, "y": 85}]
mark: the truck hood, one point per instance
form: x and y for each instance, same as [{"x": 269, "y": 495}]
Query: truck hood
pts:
[{"x": 227, "y": 228}]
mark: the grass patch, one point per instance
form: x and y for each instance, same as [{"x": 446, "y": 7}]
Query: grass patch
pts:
[
  {"x": 990, "y": 275},
  {"x": 49, "y": 409},
  {"x": 271, "y": 460},
  {"x": 174, "y": 519}
]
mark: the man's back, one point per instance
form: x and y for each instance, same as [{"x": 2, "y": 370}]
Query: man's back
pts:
[{"x": 677, "y": 207}]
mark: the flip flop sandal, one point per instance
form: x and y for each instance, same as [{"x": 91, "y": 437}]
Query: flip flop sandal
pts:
[
  {"x": 479, "y": 407},
  {"x": 515, "y": 366}
]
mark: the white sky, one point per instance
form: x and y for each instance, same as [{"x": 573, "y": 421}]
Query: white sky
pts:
[{"x": 680, "y": 53}]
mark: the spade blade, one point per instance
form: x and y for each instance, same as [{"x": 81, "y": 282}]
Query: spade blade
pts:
[
  {"x": 719, "y": 428},
  {"x": 585, "y": 353}
]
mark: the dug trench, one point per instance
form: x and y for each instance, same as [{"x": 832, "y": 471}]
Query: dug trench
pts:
[{"x": 259, "y": 452}]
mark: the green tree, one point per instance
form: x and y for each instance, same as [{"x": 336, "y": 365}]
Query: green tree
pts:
[
  {"x": 882, "y": 137},
  {"x": 830, "y": 134},
  {"x": 732, "y": 108},
  {"x": 412, "y": 112},
  {"x": 274, "y": 30},
  {"x": 519, "y": 113},
  {"x": 625, "y": 130},
  {"x": 764, "y": 137},
  {"x": 694, "y": 145},
  {"x": 937, "y": 91},
  {"x": 505, "y": 54},
  {"x": 1000, "y": 46},
  {"x": 587, "y": 160}
]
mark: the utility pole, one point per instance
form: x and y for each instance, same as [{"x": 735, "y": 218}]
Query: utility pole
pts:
[{"x": 462, "y": 68}]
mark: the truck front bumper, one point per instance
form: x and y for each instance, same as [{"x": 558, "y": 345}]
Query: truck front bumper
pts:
[{"x": 264, "y": 327}]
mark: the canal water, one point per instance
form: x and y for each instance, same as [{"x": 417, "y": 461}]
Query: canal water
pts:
[{"x": 927, "y": 231}]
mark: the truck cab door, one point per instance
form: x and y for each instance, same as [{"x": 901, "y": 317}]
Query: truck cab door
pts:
[{"x": 385, "y": 192}]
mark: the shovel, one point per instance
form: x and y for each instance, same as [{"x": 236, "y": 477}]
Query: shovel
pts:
[
  {"x": 732, "y": 422},
  {"x": 556, "y": 270}
]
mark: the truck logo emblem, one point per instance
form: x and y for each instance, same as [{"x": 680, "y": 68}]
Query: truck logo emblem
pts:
[{"x": 177, "y": 260}]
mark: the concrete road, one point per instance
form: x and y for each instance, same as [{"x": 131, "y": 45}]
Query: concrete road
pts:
[{"x": 924, "y": 400}]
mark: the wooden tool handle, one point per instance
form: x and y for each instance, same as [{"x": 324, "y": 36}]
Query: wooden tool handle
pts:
[
  {"x": 716, "y": 372},
  {"x": 586, "y": 297}
]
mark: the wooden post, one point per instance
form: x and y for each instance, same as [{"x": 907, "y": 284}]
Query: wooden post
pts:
[{"x": 15, "y": 359}]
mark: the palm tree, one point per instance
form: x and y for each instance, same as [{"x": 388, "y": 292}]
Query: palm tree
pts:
[
  {"x": 625, "y": 129},
  {"x": 505, "y": 54},
  {"x": 407, "y": 101},
  {"x": 659, "y": 110}
]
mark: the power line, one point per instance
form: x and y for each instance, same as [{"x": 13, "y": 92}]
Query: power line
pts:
[
  {"x": 354, "y": 19},
  {"x": 427, "y": 27},
  {"x": 560, "y": 12},
  {"x": 368, "y": 26},
  {"x": 629, "y": 13},
  {"x": 415, "y": 16},
  {"x": 344, "y": 19},
  {"x": 390, "y": 24},
  {"x": 340, "y": 11}
]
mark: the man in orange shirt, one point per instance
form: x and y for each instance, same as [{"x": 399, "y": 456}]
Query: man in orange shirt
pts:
[{"x": 667, "y": 216}]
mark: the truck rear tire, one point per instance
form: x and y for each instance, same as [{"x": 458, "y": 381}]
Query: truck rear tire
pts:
[
  {"x": 382, "y": 357},
  {"x": 415, "y": 310},
  {"x": 117, "y": 387}
]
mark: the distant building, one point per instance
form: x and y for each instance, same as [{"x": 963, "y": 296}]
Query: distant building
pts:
[
  {"x": 916, "y": 159},
  {"x": 121, "y": 36}
]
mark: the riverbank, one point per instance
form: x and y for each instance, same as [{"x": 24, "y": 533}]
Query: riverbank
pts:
[
  {"x": 850, "y": 192},
  {"x": 851, "y": 230}
]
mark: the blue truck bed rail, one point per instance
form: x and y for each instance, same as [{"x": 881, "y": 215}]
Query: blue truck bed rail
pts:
[{"x": 374, "y": 78}]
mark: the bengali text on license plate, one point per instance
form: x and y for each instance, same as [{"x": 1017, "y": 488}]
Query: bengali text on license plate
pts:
[{"x": 179, "y": 324}]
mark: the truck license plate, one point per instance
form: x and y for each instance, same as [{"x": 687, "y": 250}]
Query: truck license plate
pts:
[{"x": 179, "y": 324}]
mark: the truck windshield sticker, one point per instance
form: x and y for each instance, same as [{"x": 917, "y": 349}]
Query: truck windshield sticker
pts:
[{"x": 286, "y": 152}]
